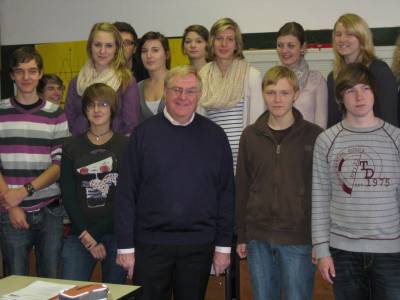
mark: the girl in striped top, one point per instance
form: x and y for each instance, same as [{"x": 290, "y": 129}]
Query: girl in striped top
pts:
[{"x": 232, "y": 95}]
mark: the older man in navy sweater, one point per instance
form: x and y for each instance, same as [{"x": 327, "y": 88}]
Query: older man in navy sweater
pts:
[{"x": 175, "y": 203}]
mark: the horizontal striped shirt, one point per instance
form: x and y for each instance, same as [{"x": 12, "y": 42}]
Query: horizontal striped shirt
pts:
[
  {"x": 30, "y": 142},
  {"x": 231, "y": 121},
  {"x": 355, "y": 196}
]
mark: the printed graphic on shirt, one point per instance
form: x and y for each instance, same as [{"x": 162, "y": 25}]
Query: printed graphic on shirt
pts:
[
  {"x": 97, "y": 188},
  {"x": 360, "y": 166}
]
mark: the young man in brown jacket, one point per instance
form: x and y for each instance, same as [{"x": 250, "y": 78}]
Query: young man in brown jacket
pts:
[{"x": 273, "y": 193}]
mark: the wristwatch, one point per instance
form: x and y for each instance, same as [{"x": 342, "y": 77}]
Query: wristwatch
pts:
[{"x": 29, "y": 188}]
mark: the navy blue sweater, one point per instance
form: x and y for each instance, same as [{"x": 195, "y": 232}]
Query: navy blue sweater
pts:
[{"x": 176, "y": 185}]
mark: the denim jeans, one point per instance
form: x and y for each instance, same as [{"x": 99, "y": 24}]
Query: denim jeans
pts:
[
  {"x": 44, "y": 233},
  {"x": 78, "y": 263},
  {"x": 275, "y": 268},
  {"x": 363, "y": 276}
]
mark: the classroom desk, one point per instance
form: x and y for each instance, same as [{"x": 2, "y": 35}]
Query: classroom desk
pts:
[{"x": 15, "y": 282}]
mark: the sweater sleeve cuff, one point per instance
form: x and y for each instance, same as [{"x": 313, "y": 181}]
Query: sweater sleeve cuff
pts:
[
  {"x": 126, "y": 251},
  {"x": 125, "y": 241},
  {"x": 322, "y": 250},
  {"x": 223, "y": 249}
]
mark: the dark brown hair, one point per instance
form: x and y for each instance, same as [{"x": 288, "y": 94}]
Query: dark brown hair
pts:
[
  {"x": 200, "y": 30},
  {"x": 295, "y": 29},
  {"x": 24, "y": 55},
  {"x": 126, "y": 27},
  {"x": 349, "y": 76},
  {"x": 153, "y": 35},
  {"x": 46, "y": 79}
]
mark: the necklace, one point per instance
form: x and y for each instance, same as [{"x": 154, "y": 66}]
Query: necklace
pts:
[{"x": 99, "y": 136}]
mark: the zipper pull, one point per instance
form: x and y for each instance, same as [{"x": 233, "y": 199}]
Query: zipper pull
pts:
[{"x": 278, "y": 149}]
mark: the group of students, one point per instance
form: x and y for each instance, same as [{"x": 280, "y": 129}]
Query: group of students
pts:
[{"x": 298, "y": 187}]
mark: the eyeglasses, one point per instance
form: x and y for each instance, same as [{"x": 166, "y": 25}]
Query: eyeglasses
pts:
[
  {"x": 99, "y": 104},
  {"x": 180, "y": 91},
  {"x": 128, "y": 43}
]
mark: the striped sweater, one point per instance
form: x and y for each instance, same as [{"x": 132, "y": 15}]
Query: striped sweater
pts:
[
  {"x": 30, "y": 142},
  {"x": 355, "y": 196}
]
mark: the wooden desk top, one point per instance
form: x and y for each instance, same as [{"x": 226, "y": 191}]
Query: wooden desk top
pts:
[{"x": 15, "y": 282}]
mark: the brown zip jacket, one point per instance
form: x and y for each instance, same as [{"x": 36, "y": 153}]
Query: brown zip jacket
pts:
[{"x": 273, "y": 183}]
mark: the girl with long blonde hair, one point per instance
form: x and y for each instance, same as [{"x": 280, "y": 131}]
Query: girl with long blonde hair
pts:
[
  {"x": 232, "y": 95},
  {"x": 352, "y": 42},
  {"x": 106, "y": 64}
]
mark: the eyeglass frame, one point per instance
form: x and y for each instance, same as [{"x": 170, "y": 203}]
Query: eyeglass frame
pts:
[
  {"x": 191, "y": 92},
  {"x": 100, "y": 104},
  {"x": 127, "y": 43}
]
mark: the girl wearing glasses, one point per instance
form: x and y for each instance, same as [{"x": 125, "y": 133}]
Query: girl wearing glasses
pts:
[
  {"x": 106, "y": 64},
  {"x": 89, "y": 174}
]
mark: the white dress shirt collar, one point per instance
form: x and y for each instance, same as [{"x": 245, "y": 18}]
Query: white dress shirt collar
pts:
[{"x": 173, "y": 122}]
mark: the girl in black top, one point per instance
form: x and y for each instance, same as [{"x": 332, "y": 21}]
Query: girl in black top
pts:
[
  {"x": 89, "y": 173},
  {"x": 352, "y": 42}
]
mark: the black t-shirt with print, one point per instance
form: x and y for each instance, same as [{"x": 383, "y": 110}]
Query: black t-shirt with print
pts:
[{"x": 94, "y": 174}]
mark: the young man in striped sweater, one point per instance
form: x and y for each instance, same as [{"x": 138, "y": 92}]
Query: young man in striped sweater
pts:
[
  {"x": 356, "y": 178},
  {"x": 31, "y": 134}
]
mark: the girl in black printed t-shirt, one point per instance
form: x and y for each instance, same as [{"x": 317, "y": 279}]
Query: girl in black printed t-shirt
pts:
[{"x": 89, "y": 174}]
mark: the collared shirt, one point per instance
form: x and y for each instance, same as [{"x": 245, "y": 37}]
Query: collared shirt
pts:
[{"x": 173, "y": 122}]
